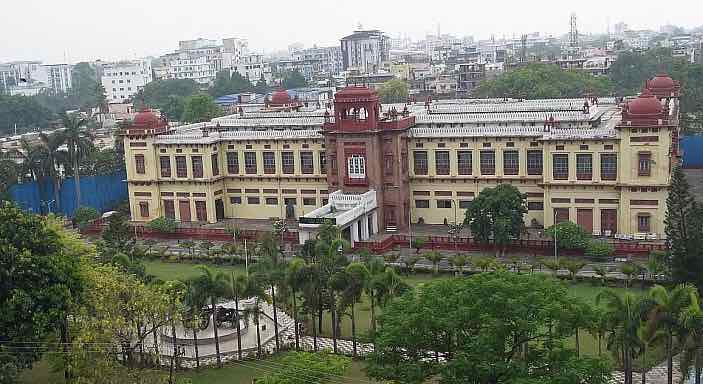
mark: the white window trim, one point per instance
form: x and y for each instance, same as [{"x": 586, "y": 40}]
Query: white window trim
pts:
[{"x": 356, "y": 167}]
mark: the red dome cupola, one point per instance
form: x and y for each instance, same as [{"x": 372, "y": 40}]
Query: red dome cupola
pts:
[{"x": 663, "y": 86}]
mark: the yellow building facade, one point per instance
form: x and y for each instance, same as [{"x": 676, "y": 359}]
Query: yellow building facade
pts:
[{"x": 602, "y": 163}]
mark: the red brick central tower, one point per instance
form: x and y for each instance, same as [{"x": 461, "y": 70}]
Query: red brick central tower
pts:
[{"x": 368, "y": 150}]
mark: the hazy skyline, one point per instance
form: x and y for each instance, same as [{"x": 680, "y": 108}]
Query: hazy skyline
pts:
[{"x": 79, "y": 30}]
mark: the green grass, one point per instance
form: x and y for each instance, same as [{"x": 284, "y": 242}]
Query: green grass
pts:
[
  {"x": 245, "y": 372},
  {"x": 183, "y": 271}
]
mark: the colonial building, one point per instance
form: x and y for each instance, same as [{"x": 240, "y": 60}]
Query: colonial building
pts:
[{"x": 599, "y": 162}]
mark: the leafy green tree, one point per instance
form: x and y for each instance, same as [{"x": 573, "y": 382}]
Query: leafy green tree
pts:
[
  {"x": 79, "y": 142},
  {"x": 544, "y": 81},
  {"x": 118, "y": 235},
  {"x": 573, "y": 266},
  {"x": 295, "y": 280},
  {"x": 167, "y": 95},
  {"x": 459, "y": 262},
  {"x": 569, "y": 235},
  {"x": 39, "y": 281},
  {"x": 238, "y": 288},
  {"x": 393, "y": 91},
  {"x": 84, "y": 85},
  {"x": 684, "y": 232},
  {"x": 497, "y": 213},
  {"x": 479, "y": 336},
  {"x": 261, "y": 87},
  {"x": 294, "y": 79},
  {"x": 668, "y": 306},
  {"x": 227, "y": 83},
  {"x": 691, "y": 357},
  {"x": 199, "y": 108},
  {"x": 26, "y": 112},
  {"x": 434, "y": 257},
  {"x": 358, "y": 277},
  {"x": 410, "y": 261},
  {"x": 306, "y": 367},
  {"x": 271, "y": 268}
]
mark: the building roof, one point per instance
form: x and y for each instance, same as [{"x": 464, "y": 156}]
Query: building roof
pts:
[
  {"x": 645, "y": 105},
  {"x": 358, "y": 35},
  {"x": 280, "y": 97}
]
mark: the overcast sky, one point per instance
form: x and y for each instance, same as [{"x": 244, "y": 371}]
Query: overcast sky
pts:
[{"x": 75, "y": 30}]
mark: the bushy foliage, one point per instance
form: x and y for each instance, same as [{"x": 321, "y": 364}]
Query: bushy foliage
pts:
[
  {"x": 598, "y": 249},
  {"x": 83, "y": 215},
  {"x": 393, "y": 91},
  {"x": 544, "y": 81},
  {"x": 163, "y": 225},
  {"x": 569, "y": 235}
]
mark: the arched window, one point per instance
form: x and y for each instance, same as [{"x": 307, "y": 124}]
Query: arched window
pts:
[{"x": 356, "y": 167}]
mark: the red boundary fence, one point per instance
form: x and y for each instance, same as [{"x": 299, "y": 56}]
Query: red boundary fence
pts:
[{"x": 383, "y": 245}]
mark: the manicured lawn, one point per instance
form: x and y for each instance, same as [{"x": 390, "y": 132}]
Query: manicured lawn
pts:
[
  {"x": 246, "y": 372},
  {"x": 182, "y": 271}
]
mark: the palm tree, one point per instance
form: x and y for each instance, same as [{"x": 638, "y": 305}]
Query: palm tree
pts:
[
  {"x": 459, "y": 262},
  {"x": 601, "y": 272},
  {"x": 212, "y": 285},
  {"x": 623, "y": 314},
  {"x": 374, "y": 286},
  {"x": 53, "y": 159},
  {"x": 271, "y": 268},
  {"x": 573, "y": 266},
  {"x": 256, "y": 289},
  {"x": 295, "y": 279},
  {"x": 80, "y": 142},
  {"x": 552, "y": 266},
  {"x": 194, "y": 303},
  {"x": 237, "y": 289},
  {"x": 358, "y": 278},
  {"x": 484, "y": 263},
  {"x": 435, "y": 258},
  {"x": 668, "y": 305},
  {"x": 692, "y": 350},
  {"x": 410, "y": 261},
  {"x": 648, "y": 336}
]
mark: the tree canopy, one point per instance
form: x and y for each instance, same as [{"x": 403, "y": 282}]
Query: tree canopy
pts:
[
  {"x": 84, "y": 85},
  {"x": 497, "y": 213},
  {"x": 393, "y": 91},
  {"x": 199, "y": 108},
  {"x": 26, "y": 112},
  {"x": 227, "y": 83},
  {"x": 544, "y": 81},
  {"x": 489, "y": 328},
  {"x": 167, "y": 95},
  {"x": 294, "y": 79}
]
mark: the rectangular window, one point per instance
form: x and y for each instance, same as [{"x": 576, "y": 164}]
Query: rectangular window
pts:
[
  {"x": 323, "y": 163},
  {"x": 464, "y": 204},
  {"x": 165, "y": 163},
  {"x": 252, "y": 200},
  {"x": 584, "y": 166},
  {"x": 560, "y": 166},
  {"x": 441, "y": 159},
  {"x": 201, "y": 210},
  {"x": 290, "y": 201},
  {"x": 169, "y": 209},
  {"x": 333, "y": 164},
  {"x": 139, "y": 164},
  {"x": 535, "y": 206},
  {"x": 388, "y": 165},
  {"x": 645, "y": 164},
  {"x": 422, "y": 203},
  {"x": 197, "y": 164},
  {"x": 232, "y": 162},
  {"x": 250, "y": 163},
  {"x": 608, "y": 166},
  {"x": 288, "y": 162},
  {"x": 488, "y": 163},
  {"x": 309, "y": 201},
  {"x": 643, "y": 223},
  {"x": 511, "y": 162},
  {"x": 444, "y": 203},
  {"x": 235, "y": 200},
  {"x": 144, "y": 209},
  {"x": 271, "y": 201},
  {"x": 215, "y": 163},
  {"x": 307, "y": 164},
  {"x": 420, "y": 162},
  {"x": 464, "y": 162},
  {"x": 181, "y": 167},
  {"x": 269, "y": 162},
  {"x": 534, "y": 162}
]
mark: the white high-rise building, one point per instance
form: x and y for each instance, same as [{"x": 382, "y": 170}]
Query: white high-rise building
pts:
[
  {"x": 124, "y": 79},
  {"x": 58, "y": 77},
  {"x": 365, "y": 51},
  {"x": 201, "y": 59}
]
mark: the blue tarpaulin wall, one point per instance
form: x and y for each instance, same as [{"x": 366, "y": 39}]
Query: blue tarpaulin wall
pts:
[
  {"x": 692, "y": 147},
  {"x": 100, "y": 192}
]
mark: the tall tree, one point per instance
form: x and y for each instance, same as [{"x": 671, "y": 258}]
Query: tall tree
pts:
[
  {"x": 271, "y": 267},
  {"x": 39, "y": 281},
  {"x": 497, "y": 213},
  {"x": 238, "y": 288},
  {"x": 54, "y": 159},
  {"x": 80, "y": 143},
  {"x": 84, "y": 85},
  {"x": 199, "y": 108},
  {"x": 684, "y": 232},
  {"x": 227, "y": 82},
  {"x": 212, "y": 285},
  {"x": 22, "y": 112},
  {"x": 691, "y": 358},
  {"x": 294, "y": 79},
  {"x": 393, "y": 91},
  {"x": 668, "y": 306},
  {"x": 295, "y": 279}
]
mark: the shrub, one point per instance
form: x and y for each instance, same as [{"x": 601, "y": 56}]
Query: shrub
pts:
[
  {"x": 163, "y": 225},
  {"x": 598, "y": 249},
  {"x": 418, "y": 242},
  {"x": 83, "y": 216},
  {"x": 569, "y": 235}
]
